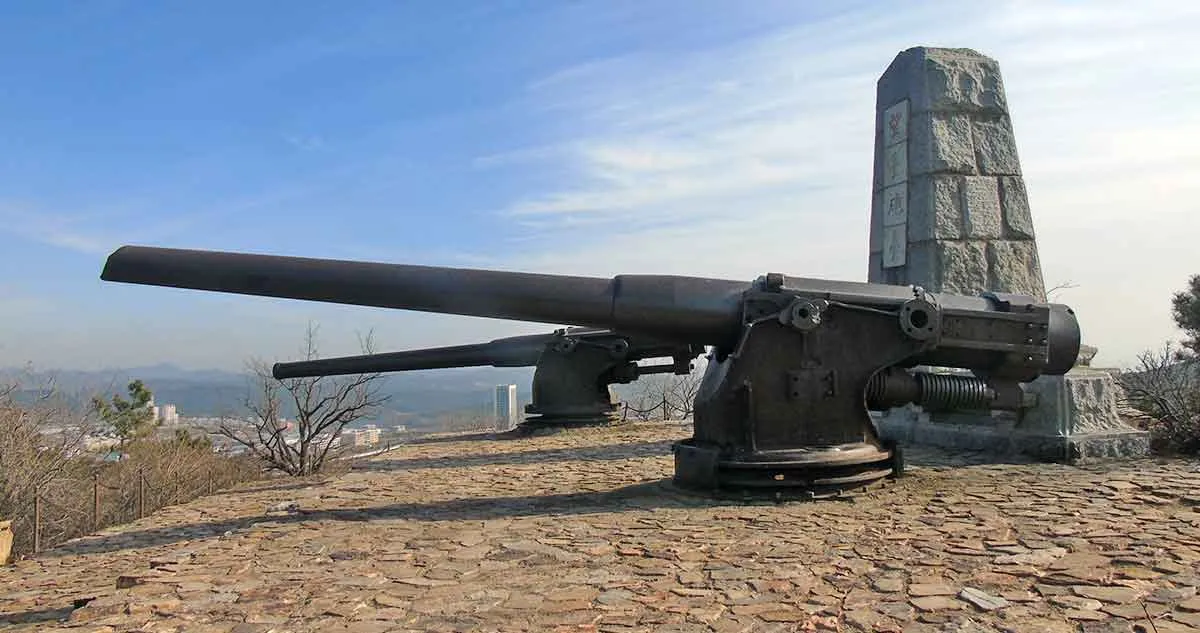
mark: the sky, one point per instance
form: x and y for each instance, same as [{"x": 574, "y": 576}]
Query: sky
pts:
[{"x": 721, "y": 139}]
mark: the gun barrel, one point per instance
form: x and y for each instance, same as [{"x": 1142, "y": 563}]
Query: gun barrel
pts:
[
  {"x": 678, "y": 308},
  {"x": 692, "y": 310},
  {"x": 517, "y": 351}
]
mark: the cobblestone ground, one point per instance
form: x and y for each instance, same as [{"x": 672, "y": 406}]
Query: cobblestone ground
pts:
[{"x": 578, "y": 531}]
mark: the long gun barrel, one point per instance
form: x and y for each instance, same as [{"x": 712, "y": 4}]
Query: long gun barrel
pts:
[
  {"x": 678, "y": 308},
  {"x": 517, "y": 351},
  {"x": 513, "y": 351},
  {"x": 704, "y": 309},
  {"x": 576, "y": 368}
]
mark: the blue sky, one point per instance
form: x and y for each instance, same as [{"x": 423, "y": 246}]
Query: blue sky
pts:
[{"x": 710, "y": 138}]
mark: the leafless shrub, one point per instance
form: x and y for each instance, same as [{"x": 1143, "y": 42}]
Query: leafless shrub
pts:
[
  {"x": 665, "y": 396},
  {"x": 40, "y": 442},
  {"x": 46, "y": 468},
  {"x": 324, "y": 406},
  {"x": 1165, "y": 386}
]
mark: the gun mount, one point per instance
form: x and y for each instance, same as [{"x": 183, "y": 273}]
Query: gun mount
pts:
[
  {"x": 796, "y": 364},
  {"x": 572, "y": 385}
]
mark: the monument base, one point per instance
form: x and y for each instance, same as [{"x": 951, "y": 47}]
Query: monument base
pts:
[{"x": 1074, "y": 420}]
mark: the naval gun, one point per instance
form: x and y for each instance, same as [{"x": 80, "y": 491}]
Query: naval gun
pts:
[
  {"x": 572, "y": 381},
  {"x": 796, "y": 363}
]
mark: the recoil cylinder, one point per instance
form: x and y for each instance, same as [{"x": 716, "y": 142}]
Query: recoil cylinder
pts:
[{"x": 933, "y": 391}]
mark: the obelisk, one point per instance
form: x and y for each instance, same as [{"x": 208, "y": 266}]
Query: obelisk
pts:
[{"x": 950, "y": 213}]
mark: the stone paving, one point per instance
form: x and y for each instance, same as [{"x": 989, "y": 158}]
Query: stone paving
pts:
[{"x": 581, "y": 531}]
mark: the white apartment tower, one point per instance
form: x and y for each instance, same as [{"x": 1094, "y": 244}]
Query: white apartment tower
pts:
[
  {"x": 168, "y": 414},
  {"x": 505, "y": 408}
]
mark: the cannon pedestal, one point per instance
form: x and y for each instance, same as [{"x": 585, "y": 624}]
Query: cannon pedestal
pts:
[
  {"x": 572, "y": 382},
  {"x": 537, "y": 420},
  {"x": 784, "y": 414},
  {"x": 783, "y": 475}
]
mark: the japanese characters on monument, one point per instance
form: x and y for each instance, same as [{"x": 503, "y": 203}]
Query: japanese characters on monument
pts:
[{"x": 895, "y": 183}]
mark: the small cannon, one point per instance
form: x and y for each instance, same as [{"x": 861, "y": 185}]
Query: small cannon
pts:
[
  {"x": 796, "y": 363},
  {"x": 572, "y": 382}
]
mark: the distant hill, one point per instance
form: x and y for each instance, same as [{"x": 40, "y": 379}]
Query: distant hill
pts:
[{"x": 202, "y": 393}]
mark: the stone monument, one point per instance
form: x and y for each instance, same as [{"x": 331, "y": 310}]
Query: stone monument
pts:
[{"x": 950, "y": 213}]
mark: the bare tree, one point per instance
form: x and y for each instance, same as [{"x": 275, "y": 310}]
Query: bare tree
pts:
[
  {"x": 665, "y": 396},
  {"x": 323, "y": 406},
  {"x": 1166, "y": 387},
  {"x": 1059, "y": 288}
]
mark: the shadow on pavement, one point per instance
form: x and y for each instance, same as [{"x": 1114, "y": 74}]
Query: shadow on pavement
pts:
[
  {"x": 607, "y": 452},
  {"x": 478, "y": 436},
  {"x": 659, "y": 493},
  {"x": 46, "y": 615},
  {"x": 273, "y": 486}
]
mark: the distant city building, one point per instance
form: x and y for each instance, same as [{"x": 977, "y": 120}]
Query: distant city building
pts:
[
  {"x": 168, "y": 414},
  {"x": 505, "y": 412},
  {"x": 164, "y": 414},
  {"x": 368, "y": 436}
]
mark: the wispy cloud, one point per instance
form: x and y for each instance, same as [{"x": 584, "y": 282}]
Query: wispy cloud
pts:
[
  {"x": 15, "y": 302},
  {"x": 732, "y": 130},
  {"x": 757, "y": 155},
  {"x": 307, "y": 142},
  {"x": 153, "y": 218},
  {"x": 63, "y": 231}
]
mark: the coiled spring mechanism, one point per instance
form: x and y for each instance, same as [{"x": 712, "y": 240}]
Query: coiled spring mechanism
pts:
[{"x": 933, "y": 391}]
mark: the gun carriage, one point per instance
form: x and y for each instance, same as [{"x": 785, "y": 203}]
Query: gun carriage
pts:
[{"x": 795, "y": 366}]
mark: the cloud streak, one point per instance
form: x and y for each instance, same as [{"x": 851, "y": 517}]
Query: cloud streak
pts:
[{"x": 63, "y": 231}]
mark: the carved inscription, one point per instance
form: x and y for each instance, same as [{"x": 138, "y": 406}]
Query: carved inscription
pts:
[{"x": 895, "y": 182}]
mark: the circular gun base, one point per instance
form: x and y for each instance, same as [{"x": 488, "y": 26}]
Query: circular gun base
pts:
[
  {"x": 781, "y": 475},
  {"x": 569, "y": 421}
]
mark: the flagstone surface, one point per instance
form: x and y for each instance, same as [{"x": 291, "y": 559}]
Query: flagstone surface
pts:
[{"x": 581, "y": 531}]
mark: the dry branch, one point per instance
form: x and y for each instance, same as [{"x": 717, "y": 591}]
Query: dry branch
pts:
[{"x": 324, "y": 406}]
